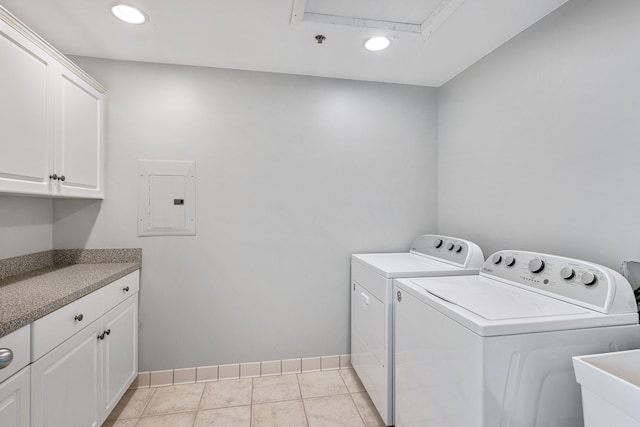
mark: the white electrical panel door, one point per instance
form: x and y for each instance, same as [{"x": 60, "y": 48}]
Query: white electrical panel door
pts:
[
  {"x": 167, "y": 201},
  {"x": 166, "y": 204}
]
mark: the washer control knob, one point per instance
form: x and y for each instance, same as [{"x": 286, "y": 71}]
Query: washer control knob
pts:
[
  {"x": 588, "y": 279},
  {"x": 536, "y": 265},
  {"x": 457, "y": 248},
  {"x": 567, "y": 273},
  {"x": 510, "y": 261},
  {"x": 496, "y": 259},
  {"x": 438, "y": 243},
  {"x": 450, "y": 246}
]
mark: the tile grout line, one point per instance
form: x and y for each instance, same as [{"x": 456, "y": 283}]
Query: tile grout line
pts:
[
  {"x": 251, "y": 401},
  {"x": 146, "y": 405},
  {"x": 304, "y": 407},
  {"x": 198, "y": 407},
  {"x": 364, "y": 422}
]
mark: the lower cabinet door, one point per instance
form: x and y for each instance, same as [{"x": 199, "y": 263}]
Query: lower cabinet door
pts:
[
  {"x": 120, "y": 357},
  {"x": 66, "y": 382},
  {"x": 14, "y": 400}
]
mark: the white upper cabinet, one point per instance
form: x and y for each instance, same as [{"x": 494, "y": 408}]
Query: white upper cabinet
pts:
[
  {"x": 78, "y": 142},
  {"x": 51, "y": 116},
  {"x": 26, "y": 114}
]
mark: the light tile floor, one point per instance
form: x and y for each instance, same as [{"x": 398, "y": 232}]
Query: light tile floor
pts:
[{"x": 315, "y": 399}]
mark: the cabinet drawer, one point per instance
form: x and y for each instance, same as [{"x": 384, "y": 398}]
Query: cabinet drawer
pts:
[
  {"x": 14, "y": 347},
  {"x": 120, "y": 290},
  {"x": 53, "y": 329}
]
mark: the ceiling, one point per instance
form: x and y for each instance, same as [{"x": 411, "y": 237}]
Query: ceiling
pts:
[{"x": 432, "y": 40}]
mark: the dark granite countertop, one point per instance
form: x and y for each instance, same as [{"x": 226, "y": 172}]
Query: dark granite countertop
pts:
[{"x": 33, "y": 294}]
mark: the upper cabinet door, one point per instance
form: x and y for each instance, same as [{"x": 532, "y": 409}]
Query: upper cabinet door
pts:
[
  {"x": 26, "y": 114},
  {"x": 78, "y": 144}
]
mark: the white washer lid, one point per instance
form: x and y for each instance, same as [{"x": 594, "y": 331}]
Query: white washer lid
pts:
[
  {"x": 406, "y": 264},
  {"x": 496, "y": 301},
  {"x": 489, "y": 307}
]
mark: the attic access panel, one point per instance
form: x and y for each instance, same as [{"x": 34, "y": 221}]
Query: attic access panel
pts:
[
  {"x": 407, "y": 11},
  {"x": 408, "y": 17}
]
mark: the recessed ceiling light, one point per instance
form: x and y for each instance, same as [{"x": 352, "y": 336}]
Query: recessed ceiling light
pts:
[
  {"x": 377, "y": 43},
  {"x": 129, "y": 14}
]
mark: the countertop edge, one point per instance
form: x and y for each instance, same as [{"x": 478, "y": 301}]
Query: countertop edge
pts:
[{"x": 40, "y": 312}]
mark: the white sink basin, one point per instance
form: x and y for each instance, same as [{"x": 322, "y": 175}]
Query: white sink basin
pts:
[{"x": 610, "y": 385}]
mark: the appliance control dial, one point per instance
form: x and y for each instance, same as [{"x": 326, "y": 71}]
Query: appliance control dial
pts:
[
  {"x": 438, "y": 243},
  {"x": 510, "y": 261},
  {"x": 588, "y": 279},
  {"x": 536, "y": 265},
  {"x": 457, "y": 248},
  {"x": 450, "y": 246},
  {"x": 497, "y": 259},
  {"x": 567, "y": 273}
]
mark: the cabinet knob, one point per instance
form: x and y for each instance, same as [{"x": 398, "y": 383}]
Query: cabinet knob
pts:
[
  {"x": 6, "y": 357},
  {"x": 54, "y": 176},
  {"x": 108, "y": 332},
  {"x": 79, "y": 317},
  {"x": 125, "y": 289},
  {"x": 62, "y": 178},
  {"x": 101, "y": 336}
]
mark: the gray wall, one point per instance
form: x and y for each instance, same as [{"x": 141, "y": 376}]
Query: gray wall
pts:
[
  {"x": 25, "y": 226},
  {"x": 293, "y": 175},
  {"x": 539, "y": 142}
]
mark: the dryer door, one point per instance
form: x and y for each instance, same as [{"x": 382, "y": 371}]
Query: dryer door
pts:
[
  {"x": 367, "y": 324},
  {"x": 368, "y": 330}
]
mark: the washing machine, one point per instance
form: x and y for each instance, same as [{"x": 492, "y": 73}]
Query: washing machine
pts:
[
  {"x": 371, "y": 304},
  {"x": 495, "y": 349}
]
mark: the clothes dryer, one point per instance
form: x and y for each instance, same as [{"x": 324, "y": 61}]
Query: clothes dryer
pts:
[
  {"x": 495, "y": 350},
  {"x": 371, "y": 304}
]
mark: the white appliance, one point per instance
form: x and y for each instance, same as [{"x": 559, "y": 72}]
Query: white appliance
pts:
[
  {"x": 494, "y": 350},
  {"x": 371, "y": 304},
  {"x": 610, "y": 385}
]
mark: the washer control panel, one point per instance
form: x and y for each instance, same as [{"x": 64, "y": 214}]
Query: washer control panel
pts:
[
  {"x": 572, "y": 280},
  {"x": 443, "y": 247}
]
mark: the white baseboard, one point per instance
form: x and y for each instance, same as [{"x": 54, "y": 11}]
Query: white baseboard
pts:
[{"x": 240, "y": 370}]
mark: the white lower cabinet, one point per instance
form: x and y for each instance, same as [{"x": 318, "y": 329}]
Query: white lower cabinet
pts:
[
  {"x": 14, "y": 400},
  {"x": 65, "y": 383},
  {"x": 79, "y": 382},
  {"x": 120, "y": 352}
]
